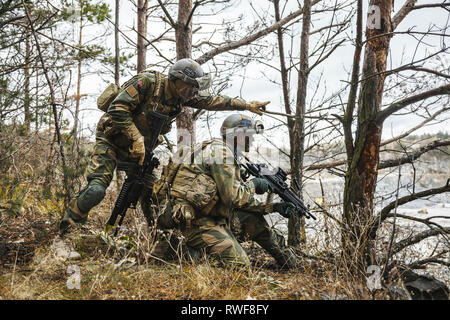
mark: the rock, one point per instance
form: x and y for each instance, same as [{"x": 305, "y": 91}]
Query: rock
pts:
[
  {"x": 418, "y": 286},
  {"x": 63, "y": 250}
]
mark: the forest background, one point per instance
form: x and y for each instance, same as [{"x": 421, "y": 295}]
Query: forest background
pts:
[{"x": 359, "y": 112}]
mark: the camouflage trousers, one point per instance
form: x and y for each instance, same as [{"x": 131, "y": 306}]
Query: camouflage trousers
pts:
[
  {"x": 249, "y": 226},
  {"x": 221, "y": 240},
  {"x": 215, "y": 238},
  {"x": 100, "y": 173}
]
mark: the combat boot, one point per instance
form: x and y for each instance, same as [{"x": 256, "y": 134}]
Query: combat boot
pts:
[
  {"x": 71, "y": 217},
  {"x": 276, "y": 246},
  {"x": 286, "y": 258}
]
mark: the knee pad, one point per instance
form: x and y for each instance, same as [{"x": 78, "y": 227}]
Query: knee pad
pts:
[{"x": 92, "y": 195}]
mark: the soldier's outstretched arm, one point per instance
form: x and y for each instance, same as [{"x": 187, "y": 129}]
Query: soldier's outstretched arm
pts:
[{"x": 225, "y": 103}]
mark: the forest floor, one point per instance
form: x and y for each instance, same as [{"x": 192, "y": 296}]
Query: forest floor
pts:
[
  {"x": 35, "y": 263},
  {"x": 38, "y": 264}
]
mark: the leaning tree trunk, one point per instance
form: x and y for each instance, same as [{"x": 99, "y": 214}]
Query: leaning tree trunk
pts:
[
  {"x": 183, "y": 37},
  {"x": 361, "y": 177},
  {"x": 78, "y": 94}
]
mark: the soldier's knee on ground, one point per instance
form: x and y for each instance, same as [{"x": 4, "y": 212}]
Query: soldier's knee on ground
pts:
[
  {"x": 222, "y": 245},
  {"x": 234, "y": 256}
]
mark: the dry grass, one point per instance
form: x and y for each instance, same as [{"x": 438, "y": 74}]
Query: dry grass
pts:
[
  {"x": 108, "y": 273},
  {"x": 30, "y": 209}
]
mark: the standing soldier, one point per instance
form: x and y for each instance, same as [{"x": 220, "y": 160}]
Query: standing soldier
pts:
[
  {"x": 123, "y": 129},
  {"x": 201, "y": 192}
]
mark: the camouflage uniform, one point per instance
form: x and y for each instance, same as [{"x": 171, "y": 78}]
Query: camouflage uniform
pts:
[
  {"x": 146, "y": 91},
  {"x": 236, "y": 203}
]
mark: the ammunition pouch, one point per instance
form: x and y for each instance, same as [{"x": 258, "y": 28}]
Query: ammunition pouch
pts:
[{"x": 180, "y": 183}]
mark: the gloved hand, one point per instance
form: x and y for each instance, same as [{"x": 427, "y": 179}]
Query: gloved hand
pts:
[
  {"x": 137, "y": 149},
  {"x": 256, "y": 107},
  {"x": 261, "y": 185},
  {"x": 286, "y": 209}
]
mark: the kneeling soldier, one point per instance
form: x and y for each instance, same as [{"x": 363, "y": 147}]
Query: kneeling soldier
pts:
[{"x": 201, "y": 192}]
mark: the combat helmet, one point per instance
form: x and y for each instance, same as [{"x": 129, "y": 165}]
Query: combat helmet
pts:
[
  {"x": 238, "y": 130},
  {"x": 239, "y": 124},
  {"x": 190, "y": 72}
]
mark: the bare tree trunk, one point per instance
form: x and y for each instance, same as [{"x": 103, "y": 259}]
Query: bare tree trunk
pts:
[
  {"x": 38, "y": 118},
  {"x": 296, "y": 226},
  {"x": 142, "y": 30},
  {"x": 361, "y": 177},
  {"x": 284, "y": 73},
  {"x": 183, "y": 37},
  {"x": 26, "y": 69},
  {"x": 52, "y": 102},
  {"x": 78, "y": 94},
  {"x": 116, "y": 45}
]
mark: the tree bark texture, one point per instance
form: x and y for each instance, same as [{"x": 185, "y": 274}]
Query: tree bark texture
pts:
[
  {"x": 183, "y": 36},
  {"x": 361, "y": 177},
  {"x": 296, "y": 225},
  {"x": 78, "y": 95},
  {"x": 26, "y": 69},
  {"x": 142, "y": 30},
  {"x": 116, "y": 45}
]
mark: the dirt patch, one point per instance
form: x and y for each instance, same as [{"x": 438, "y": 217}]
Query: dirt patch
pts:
[{"x": 19, "y": 239}]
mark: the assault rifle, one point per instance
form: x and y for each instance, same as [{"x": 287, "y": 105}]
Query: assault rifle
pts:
[
  {"x": 277, "y": 184},
  {"x": 134, "y": 183}
]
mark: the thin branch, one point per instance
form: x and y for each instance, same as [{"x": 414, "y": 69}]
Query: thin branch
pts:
[
  {"x": 413, "y": 156},
  {"x": 397, "y": 247},
  {"x": 348, "y": 116},
  {"x": 52, "y": 95},
  {"x": 407, "y": 7},
  {"x": 409, "y": 67},
  {"x": 383, "y": 114},
  {"x": 190, "y": 15},
  {"x": 419, "y": 264},
  {"x": 414, "y": 196},
  {"x": 171, "y": 22},
  {"x": 432, "y": 117},
  {"x": 248, "y": 39}
]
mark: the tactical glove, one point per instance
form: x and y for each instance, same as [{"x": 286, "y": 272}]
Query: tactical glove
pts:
[
  {"x": 261, "y": 185},
  {"x": 286, "y": 209},
  {"x": 256, "y": 107},
  {"x": 137, "y": 149}
]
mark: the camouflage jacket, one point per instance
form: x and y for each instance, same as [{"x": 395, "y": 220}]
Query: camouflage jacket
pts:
[
  {"x": 146, "y": 91},
  {"x": 217, "y": 160}
]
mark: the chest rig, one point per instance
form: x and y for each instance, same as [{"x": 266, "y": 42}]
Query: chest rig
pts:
[{"x": 155, "y": 102}]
